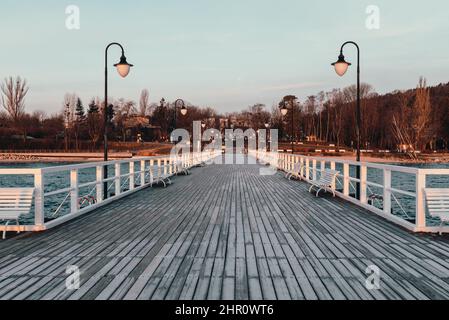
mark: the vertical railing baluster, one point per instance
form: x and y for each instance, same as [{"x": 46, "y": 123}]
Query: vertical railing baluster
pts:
[
  {"x": 74, "y": 201},
  {"x": 132, "y": 176},
  {"x": 363, "y": 184},
  {"x": 314, "y": 169},
  {"x": 387, "y": 191},
  {"x": 142, "y": 172},
  {"x": 346, "y": 179},
  {"x": 420, "y": 202},
  {"x": 334, "y": 183},
  {"x": 117, "y": 179},
  {"x": 99, "y": 184},
  {"x": 39, "y": 213},
  {"x": 307, "y": 169}
]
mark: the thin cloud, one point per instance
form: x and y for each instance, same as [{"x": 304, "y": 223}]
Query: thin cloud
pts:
[{"x": 291, "y": 86}]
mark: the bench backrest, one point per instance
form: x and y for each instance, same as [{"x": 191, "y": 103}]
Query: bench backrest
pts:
[
  {"x": 328, "y": 177},
  {"x": 297, "y": 167},
  {"x": 16, "y": 200},
  {"x": 437, "y": 201}
]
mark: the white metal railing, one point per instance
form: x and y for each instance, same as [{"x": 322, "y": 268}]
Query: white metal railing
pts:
[
  {"x": 128, "y": 176},
  {"x": 414, "y": 219}
]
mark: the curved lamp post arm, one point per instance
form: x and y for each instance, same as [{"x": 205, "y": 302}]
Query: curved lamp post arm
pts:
[
  {"x": 176, "y": 110},
  {"x": 358, "y": 109}
]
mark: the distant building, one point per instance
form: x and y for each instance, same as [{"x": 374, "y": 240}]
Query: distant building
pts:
[{"x": 138, "y": 128}]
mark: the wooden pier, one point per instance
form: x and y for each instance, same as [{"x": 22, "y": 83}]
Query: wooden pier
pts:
[{"x": 226, "y": 232}]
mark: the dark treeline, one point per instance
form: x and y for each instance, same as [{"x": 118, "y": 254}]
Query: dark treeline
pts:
[
  {"x": 414, "y": 119},
  {"x": 80, "y": 126}
]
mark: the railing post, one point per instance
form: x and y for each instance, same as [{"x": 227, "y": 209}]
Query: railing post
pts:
[
  {"x": 170, "y": 168},
  {"x": 346, "y": 179},
  {"x": 387, "y": 191},
  {"x": 74, "y": 202},
  {"x": 142, "y": 172},
  {"x": 117, "y": 179},
  {"x": 363, "y": 184},
  {"x": 99, "y": 173},
  {"x": 323, "y": 166},
  {"x": 420, "y": 203},
  {"x": 314, "y": 169},
  {"x": 165, "y": 166},
  {"x": 39, "y": 218},
  {"x": 131, "y": 177}
]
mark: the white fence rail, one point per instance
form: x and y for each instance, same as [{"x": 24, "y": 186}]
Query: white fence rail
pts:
[
  {"x": 394, "y": 192},
  {"x": 79, "y": 188}
]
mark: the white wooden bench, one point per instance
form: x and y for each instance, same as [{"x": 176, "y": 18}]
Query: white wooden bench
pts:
[
  {"x": 296, "y": 172},
  {"x": 159, "y": 174},
  {"x": 14, "y": 202},
  {"x": 180, "y": 168},
  {"x": 326, "y": 182},
  {"x": 437, "y": 201}
]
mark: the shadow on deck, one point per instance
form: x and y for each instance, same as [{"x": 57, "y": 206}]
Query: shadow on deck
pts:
[{"x": 225, "y": 232}]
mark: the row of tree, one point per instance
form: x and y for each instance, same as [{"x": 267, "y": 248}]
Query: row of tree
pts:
[{"x": 413, "y": 119}]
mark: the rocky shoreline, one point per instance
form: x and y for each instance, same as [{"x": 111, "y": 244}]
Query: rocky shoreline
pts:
[
  {"x": 10, "y": 157},
  {"x": 73, "y": 157}
]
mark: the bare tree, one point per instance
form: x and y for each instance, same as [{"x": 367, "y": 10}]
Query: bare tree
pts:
[
  {"x": 123, "y": 110},
  {"x": 13, "y": 97},
  {"x": 144, "y": 103},
  {"x": 69, "y": 107},
  {"x": 421, "y": 112},
  {"x": 350, "y": 93},
  {"x": 321, "y": 99},
  {"x": 402, "y": 136}
]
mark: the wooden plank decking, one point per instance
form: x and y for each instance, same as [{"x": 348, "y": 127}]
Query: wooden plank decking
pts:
[{"x": 225, "y": 232}]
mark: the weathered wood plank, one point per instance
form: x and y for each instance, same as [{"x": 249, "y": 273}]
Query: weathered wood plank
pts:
[{"x": 225, "y": 232}]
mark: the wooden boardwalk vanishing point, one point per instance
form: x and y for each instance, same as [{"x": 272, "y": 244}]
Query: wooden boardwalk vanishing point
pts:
[{"x": 225, "y": 232}]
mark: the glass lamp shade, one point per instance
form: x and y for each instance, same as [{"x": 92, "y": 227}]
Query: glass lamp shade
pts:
[
  {"x": 123, "y": 67},
  {"x": 341, "y": 66},
  {"x": 183, "y": 111},
  {"x": 284, "y": 111},
  {"x": 267, "y": 125}
]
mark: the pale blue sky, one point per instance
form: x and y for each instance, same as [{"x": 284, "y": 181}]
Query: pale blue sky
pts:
[{"x": 225, "y": 54}]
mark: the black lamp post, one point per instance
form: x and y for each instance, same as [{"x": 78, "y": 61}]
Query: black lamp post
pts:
[
  {"x": 267, "y": 126},
  {"x": 341, "y": 66},
  {"x": 183, "y": 111},
  {"x": 284, "y": 111},
  {"x": 123, "y": 68}
]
